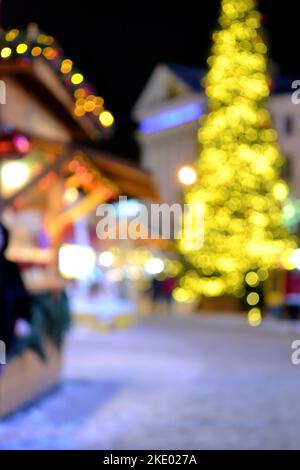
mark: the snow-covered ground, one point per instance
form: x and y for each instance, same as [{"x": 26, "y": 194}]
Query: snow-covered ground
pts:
[
  {"x": 105, "y": 308},
  {"x": 198, "y": 382}
]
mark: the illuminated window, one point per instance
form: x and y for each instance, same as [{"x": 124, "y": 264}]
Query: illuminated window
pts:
[
  {"x": 288, "y": 125},
  {"x": 287, "y": 168}
]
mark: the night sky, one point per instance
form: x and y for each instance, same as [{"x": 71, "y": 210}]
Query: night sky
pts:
[{"x": 118, "y": 52}]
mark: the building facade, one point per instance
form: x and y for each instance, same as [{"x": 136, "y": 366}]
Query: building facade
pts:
[{"x": 168, "y": 111}]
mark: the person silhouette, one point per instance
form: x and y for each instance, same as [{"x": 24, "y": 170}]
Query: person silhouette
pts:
[{"x": 14, "y": 299}]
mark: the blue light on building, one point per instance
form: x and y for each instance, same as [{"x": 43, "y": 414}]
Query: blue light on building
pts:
[{"x": 171, "y": 118}]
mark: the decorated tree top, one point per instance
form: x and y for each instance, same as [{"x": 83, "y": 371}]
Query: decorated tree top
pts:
[{"x": 238, "y": 170}]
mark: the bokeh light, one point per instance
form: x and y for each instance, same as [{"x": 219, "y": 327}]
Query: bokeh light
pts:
[
  {"x": 106, "y": 259},
  {"x": 21, "y": 48},
  {"x": 187, "y": 175},
  {"x": 254, "y": 317},
  {"x": 106, "y": 119},
  {"x": 14, "y": 175},
  {"x": 154, "y": 266},
  {"x": 6, "y": 52},
  {"x": 77, "y": 78}
]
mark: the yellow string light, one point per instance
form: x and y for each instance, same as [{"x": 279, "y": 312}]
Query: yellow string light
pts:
[
  {"x": 11, "y": 35},
  {"x": 21, "y": 48},
  {"x": 36, "y": 51},
  {"x": 88, "y": 104},
  {"x": 77, "y": 78},
  {"x": 66, "y": 66},
  {"x": 106, "y": 119},
  {"x": 6, "y": 52}
]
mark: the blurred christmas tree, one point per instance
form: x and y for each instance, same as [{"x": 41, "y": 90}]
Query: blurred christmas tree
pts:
[{"x": 238, "y": 170}]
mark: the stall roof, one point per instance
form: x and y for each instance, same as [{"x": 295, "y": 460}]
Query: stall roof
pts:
[
  {"x": 120, "y": 176},
  {"x": 37, "y": 62}
]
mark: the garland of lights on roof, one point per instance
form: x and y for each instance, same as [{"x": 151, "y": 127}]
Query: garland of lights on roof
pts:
[{"x": 31, "y": 43}]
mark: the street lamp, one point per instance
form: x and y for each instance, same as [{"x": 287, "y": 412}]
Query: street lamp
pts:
[{"x": 187, "y": 175}]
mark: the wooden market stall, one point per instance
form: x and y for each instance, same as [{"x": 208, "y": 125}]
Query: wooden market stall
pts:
[{"x": 50, "y": 119}]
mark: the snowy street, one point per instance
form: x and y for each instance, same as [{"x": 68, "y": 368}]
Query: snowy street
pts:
[{"x": 199, "y": 382}]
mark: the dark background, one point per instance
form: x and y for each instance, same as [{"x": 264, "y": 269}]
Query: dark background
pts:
[{"x": 118, "y": 52}]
